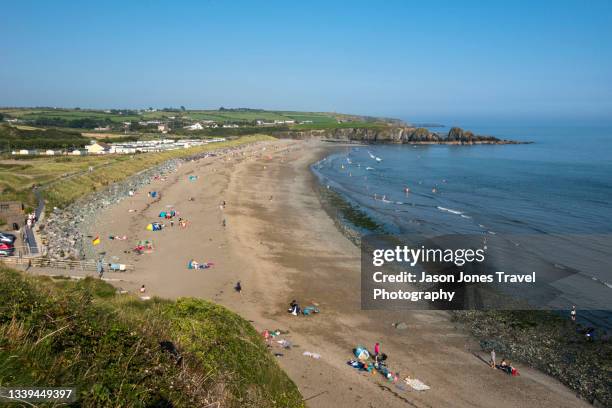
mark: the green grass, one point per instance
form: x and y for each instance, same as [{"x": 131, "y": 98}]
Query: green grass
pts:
[
  {"x": 60, "y": 188},
  {"x": 28, "y": 137},
  {"x": 81, "y": 334},
  {"x": 69, "y": 114},
  {"x": 336, "y": 125},
  {"x": 228, "y": 115}
]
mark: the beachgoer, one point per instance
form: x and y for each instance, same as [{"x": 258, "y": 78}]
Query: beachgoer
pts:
[
  {"x": 238, "y": 287},
  {"x": 267, "y": 337},
  {"x": 143, "y": 289},
  {"x": 172, "y": 223},
  {"x": 224, "y": 223},
  {"x": 505, "y": 366},
  {"x": 589, "y": 334},
  {"x": 573, "y": 313},
  {"x": 376, "y": 349},
  {"x": 100, "y": 268},
  {"x": 294, "y": 308},
  {"x": 492, "y": 362}
]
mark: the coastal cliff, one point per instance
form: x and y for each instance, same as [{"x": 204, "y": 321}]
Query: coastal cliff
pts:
[{"x": 395, "y": 134}]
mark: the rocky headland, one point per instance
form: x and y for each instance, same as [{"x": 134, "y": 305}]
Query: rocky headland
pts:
[{"x": 395, "y": 134}]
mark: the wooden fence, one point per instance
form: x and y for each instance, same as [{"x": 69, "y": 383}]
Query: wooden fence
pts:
[{"x": 88, "y": 265}]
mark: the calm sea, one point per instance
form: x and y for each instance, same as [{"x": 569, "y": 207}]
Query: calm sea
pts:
[{"x": 560, "y": 185}]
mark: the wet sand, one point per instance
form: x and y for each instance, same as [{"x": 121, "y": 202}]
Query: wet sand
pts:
[{"x": 281, "y": 245}]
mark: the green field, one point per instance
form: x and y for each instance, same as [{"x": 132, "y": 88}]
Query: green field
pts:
[
  {"x": 83, "y": 334},
  {"x": 100, "y": 117},
  {"x": 343, "y": 125}
]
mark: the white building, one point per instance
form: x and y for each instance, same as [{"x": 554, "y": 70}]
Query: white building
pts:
[
  {"x": 96, "y": 147},
  {"x": 195, "y": 126}
]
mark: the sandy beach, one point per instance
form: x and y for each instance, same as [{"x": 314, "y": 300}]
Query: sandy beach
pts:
[{"x": 280, "y": 243}]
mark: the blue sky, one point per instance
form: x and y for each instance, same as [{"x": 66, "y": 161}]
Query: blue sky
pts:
[{"x": 411, "y": 59}]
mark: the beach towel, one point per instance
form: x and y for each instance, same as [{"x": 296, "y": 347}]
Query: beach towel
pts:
[
  {"x": 311, "y": 354},
  {"x": 308, "y": 310},
  {"x": 416, "y": 384}
]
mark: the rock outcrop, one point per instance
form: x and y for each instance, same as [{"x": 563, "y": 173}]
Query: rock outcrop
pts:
[{"x": 395, "y": 134}]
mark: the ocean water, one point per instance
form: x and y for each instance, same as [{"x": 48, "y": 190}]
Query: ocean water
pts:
[{"x": 559, "y": 187}]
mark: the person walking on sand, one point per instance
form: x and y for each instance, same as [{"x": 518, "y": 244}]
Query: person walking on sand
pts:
[
  {"x": 376, "y": 349},
  {"x": 492, "y": 362},
  {"x": 573, "y": 313},
  {"x": 238, "y": 287},
  {"x": 100, "y": 268}
]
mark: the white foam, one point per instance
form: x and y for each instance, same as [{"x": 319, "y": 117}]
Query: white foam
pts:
[{"x": 450, "y": 210}]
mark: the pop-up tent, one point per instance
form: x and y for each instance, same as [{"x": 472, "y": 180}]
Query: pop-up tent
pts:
[
  {"x": 154, "y": 226},
  {"x": 362, "y": 353}
]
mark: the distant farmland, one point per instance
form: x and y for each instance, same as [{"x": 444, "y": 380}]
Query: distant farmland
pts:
[{"x": 90, "y": 119}]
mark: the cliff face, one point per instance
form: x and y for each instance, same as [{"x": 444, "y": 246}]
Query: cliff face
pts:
[{"x": 394, "y": 134}]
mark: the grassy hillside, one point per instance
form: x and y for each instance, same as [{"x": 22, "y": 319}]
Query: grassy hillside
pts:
[
  {"x": 66, "y": 178},
  {"x": 24, "y": 137},
  {"x": 89, "y": 119},
  {"x": 82, "y": 334}
]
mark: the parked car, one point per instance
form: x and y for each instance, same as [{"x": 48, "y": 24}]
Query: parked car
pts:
[
  {"x": 6, "y": 249},
  {"x": 7, "y": 238}
]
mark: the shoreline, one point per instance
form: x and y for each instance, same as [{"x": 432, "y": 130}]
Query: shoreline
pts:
[
  {"x": 491, "y": 329},
  {"x": 282, "y": 245}
]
